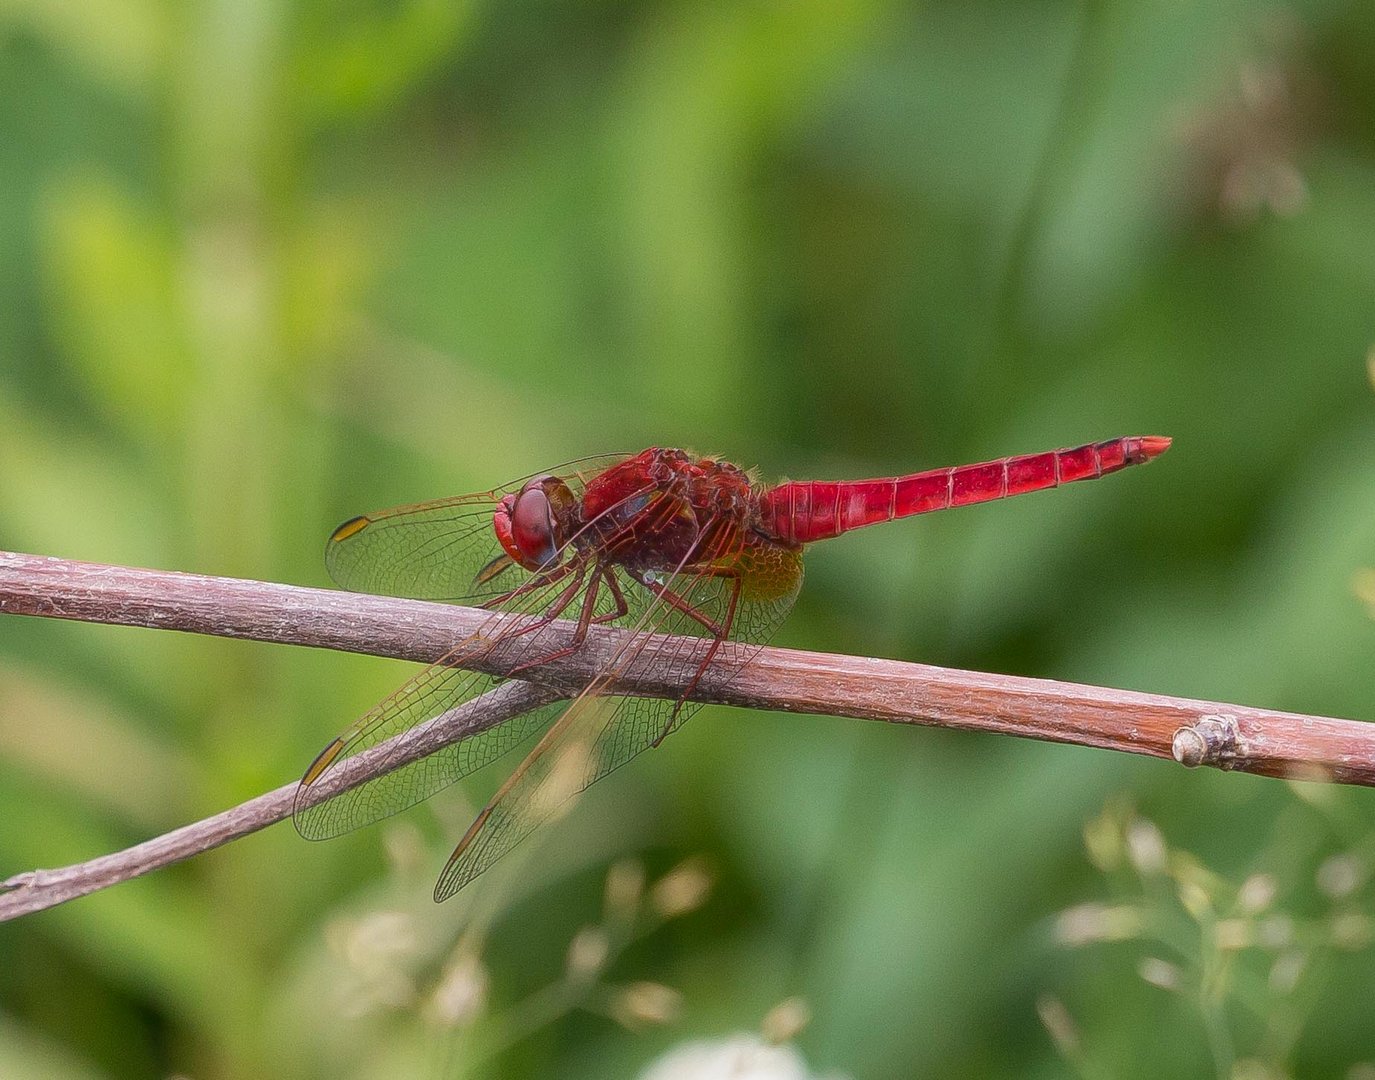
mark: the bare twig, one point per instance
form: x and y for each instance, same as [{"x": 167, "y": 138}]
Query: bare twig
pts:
[
  {"x": 1193, "y": 732},
  {"x": 39, "y": 889}
]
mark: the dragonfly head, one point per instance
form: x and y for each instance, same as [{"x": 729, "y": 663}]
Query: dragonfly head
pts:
[{"x": 531, "y": 524}]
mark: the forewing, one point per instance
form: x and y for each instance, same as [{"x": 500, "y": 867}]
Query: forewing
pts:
[
  {"x": 598, "y": 734},
  {"x": 436, "y": 550}
]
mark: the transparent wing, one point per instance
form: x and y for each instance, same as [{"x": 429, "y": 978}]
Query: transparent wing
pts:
[
  {"x": 401, "y": 735},
  {"x": 424, "y": 702},
  {"x": 436, "y": 550},
  {"x": 741, "y": 593}
]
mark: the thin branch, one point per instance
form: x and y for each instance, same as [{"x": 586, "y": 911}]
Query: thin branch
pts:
[
  {"x": 1192, "y": 732},
  {"x": 39, "y": 889}
]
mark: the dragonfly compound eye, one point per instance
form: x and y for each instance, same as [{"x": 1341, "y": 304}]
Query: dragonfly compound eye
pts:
[{"x": 527, "y": 524}]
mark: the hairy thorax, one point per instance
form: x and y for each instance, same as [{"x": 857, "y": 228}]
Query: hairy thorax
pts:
[{"x": 664, "y": 509}]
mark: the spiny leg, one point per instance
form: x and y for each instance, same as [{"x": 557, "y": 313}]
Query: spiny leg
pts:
[
  {"x": 719, "y": 633},
  {"x": 537, "y": 582},
  {"x": 622, "y": 608},
  {"x": 552, "y": 612},
  {"x": 679, "y": 603},
  {"x": 585, "y": 619}
]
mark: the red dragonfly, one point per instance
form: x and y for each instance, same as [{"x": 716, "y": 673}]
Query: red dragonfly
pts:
[{"x": 658, "y": 543}]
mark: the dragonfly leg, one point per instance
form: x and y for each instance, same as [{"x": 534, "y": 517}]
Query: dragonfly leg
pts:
[
  {"x": 551, "y": 613},
  {"x": 678, "y": 603},
  {"x": 585, "y": 619},
  {"x": 622, "y": 608},
  {"x": 554, "y": 610},
  {"x": 719, "y": 634},
  {"x": 536, "y": 582}
]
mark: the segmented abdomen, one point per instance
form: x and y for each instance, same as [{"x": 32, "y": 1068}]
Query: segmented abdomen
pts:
[{"x": 804, "y": 511}]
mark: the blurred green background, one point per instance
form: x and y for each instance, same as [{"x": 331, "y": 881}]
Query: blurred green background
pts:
[{"x": 268, "y": 264}]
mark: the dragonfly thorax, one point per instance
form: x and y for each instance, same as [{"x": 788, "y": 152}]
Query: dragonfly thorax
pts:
[{"x": 665, "y": 509}]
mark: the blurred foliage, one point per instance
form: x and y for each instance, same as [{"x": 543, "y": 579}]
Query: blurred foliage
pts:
[{"x": 268, "y": 264}]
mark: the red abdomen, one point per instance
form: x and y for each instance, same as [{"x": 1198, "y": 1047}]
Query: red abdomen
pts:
[{"x": 803, "y": 511}]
